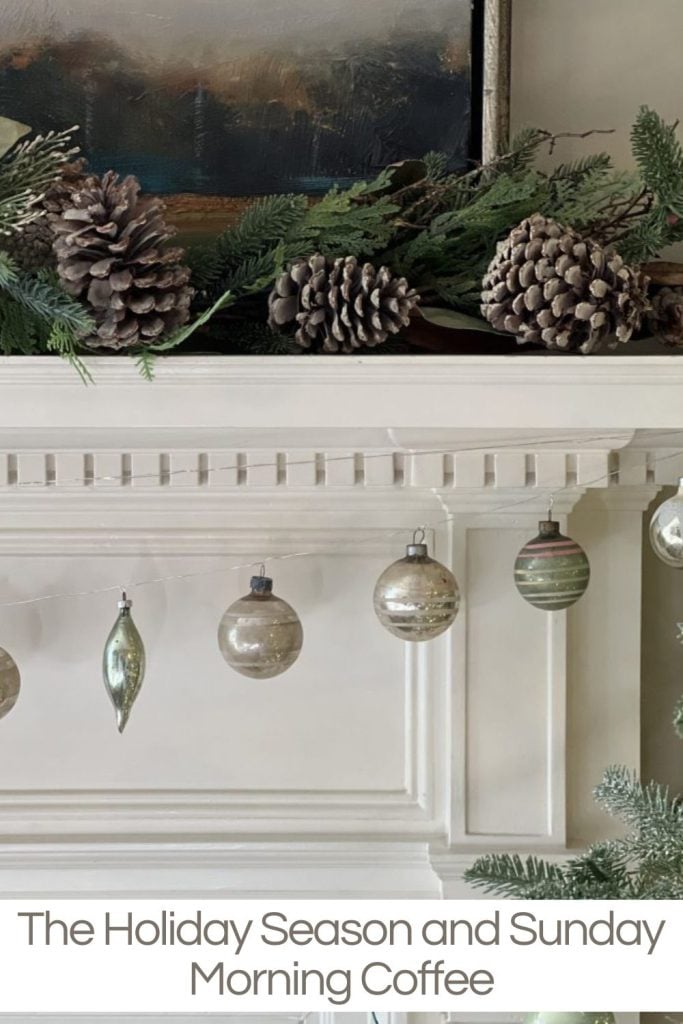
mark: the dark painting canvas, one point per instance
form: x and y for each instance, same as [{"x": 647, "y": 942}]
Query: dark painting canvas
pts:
[{"x": 241, "y": 97}]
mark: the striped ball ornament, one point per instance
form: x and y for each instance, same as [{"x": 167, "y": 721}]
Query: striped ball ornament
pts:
[
  {"x": 260, "y": 635},
  {"x": 551, "y": 571},
  {"x": 416, "y": 598}
]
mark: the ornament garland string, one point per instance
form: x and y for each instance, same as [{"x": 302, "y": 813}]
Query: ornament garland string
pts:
[
  {"x": 416, "y": 599},
  {"x": 402, "y": 531}
]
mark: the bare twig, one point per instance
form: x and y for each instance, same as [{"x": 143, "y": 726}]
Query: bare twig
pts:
[{"x": 554, "y": 139}]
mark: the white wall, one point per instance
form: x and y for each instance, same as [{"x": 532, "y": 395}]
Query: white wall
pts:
[{"x": 592, "y": 63}]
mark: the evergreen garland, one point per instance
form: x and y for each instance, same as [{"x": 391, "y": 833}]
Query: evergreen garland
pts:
[{"x": 437, "y": 229}]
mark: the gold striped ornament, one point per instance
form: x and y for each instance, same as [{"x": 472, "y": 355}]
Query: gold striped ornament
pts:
[
  {"x": 551, "y": 571},
  {"x": 416, "y": 598},
  {"x": 260, "y": 635}
]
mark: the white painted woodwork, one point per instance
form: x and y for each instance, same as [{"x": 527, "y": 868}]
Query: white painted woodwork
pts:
[{"x": 368, "y": 769}]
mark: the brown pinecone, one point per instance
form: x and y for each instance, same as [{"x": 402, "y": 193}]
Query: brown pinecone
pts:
[
  {"x": 111, "y": 251},
  {"x": 550, "y": 286},
  {"x": 666, "y": 318},
  {"x": 31, "y": 246},
  {"x": 339, "y": 305}
]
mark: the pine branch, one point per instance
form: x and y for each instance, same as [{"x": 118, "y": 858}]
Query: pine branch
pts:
[
  {"x": 578, "y": 170},
  {"x": 260, "y": 229},
  {"x": 20, "y": 333},
  {"x": 48, "y": 302},
  {"x": 659, "y": 155},
  {"x": 654, "y": 816},
  {"x": 504, "y": 874}
]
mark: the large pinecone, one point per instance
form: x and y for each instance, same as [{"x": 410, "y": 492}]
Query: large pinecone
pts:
[
  {"x": 339, "y": 304},
  {"x": 549, "y": 285},
  {"x": 31, "y": 247},
  {"x": 111, "y": 251},
  {"x": 666, "y": 318}
]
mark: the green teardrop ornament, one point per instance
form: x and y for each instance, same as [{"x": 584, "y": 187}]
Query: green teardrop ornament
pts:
[{"x": 123, "y": 663}]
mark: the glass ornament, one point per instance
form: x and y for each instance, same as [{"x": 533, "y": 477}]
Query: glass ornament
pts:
[
  {"x": 416, "y": 598},
  {"x": 666, "y": 530},
  {"x": 123, "y": 663},
  {"x": 260, "y": 635},
  {"x": 551, "y": 571},
  {"x": 10, "y": 683}
]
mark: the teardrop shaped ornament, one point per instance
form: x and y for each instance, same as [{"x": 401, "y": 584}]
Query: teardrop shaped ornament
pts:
[{"x": 123, "y": 663}]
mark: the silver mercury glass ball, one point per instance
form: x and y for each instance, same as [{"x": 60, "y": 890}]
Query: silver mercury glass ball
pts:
[
  {"x": 260, "y": 635},
  {"x": 10, "y": 683},
  {"x": 666, "y": 530},
  {"x": 416, "y": 598}
]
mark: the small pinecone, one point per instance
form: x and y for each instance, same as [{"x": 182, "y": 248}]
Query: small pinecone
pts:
[
  {"x": 31, "y": 246},
  {"x": 550, "y": 286},
  {"x": 666, "y": 317},
  {"x": 340, "y": 305},
  {"x": 110, "y": 248}
]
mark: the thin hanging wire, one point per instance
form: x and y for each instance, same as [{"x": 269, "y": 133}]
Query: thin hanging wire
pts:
[
  {"x": 233, "y": 467},
  {"x": 354, "y": 542}
]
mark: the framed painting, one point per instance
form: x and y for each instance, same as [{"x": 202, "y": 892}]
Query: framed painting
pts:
[{"x": 210, "y": 102}]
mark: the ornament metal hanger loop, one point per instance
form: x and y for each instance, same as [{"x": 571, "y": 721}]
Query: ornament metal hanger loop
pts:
[
  {"x": 262, "y": 570},
  {"x": 419, "y": 535}
]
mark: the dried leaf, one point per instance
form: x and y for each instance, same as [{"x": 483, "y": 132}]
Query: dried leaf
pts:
[
  {"x": 455, "y": 321},
  {"x": 10, "y": 133}
]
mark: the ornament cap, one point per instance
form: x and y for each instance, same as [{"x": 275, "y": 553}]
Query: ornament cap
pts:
[
  {"x": 261, "y": 585},
  {"x": 417, "y": 551},
  {"x": 125, "y": 603},
  {"x": 418, "y": 547},
  {"x": 548, "y": 528}
]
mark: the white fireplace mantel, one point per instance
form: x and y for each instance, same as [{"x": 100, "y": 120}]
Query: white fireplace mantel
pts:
[
  {"x": 367, "y": 769},
  {"x": 194, "y": 395}
]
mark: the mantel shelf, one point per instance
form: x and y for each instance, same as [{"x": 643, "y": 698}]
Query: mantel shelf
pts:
[{"x": 203, "y": 399}]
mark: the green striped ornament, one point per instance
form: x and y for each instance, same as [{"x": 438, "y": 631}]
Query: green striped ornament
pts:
[{"x": 551, "y": 571}]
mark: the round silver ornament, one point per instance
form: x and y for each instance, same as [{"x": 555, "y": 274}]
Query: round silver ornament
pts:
[
  {"x": 416, "y": 598},
  {"x": 10, "y": 683},
  {"x": 260, "y": 635},
  {"x": 666, "y": 530},
  {"x": 123, "y": 663}
]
